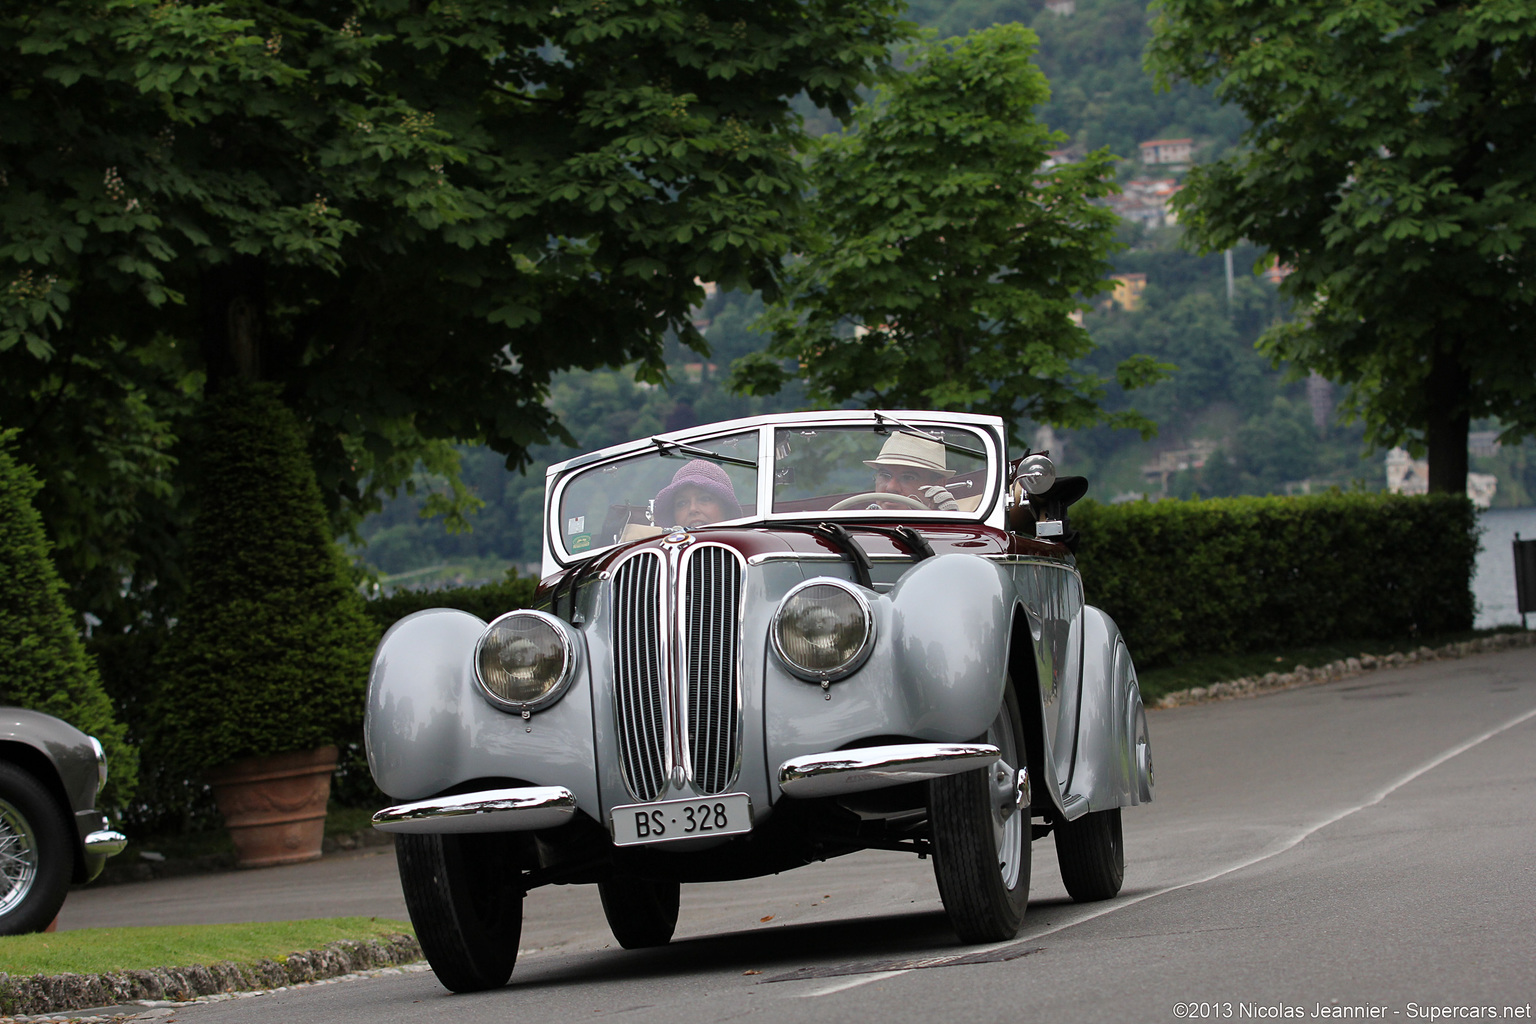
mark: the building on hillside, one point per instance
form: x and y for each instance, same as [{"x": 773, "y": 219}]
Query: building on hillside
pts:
[
  {"x": 1058, "y": 157},
  {"x": 1127, "y": 291},
  {"x": 1277, "y": 272},
  {"x": 1045, "y": 440},
  {"x": 1407, "y": 475},
  {"x": 1320, "y": 398},
  {"x": 1061, "y": 7},
  {"x": 1176, "y": 152},
  {"x": 700, "y": 321},
  {"x": 1484, "y": 443},
  {"x": 1177, "y": 460},
  {"x": 1145, "y": 201},
  {"x": 1481, "y": 488}
]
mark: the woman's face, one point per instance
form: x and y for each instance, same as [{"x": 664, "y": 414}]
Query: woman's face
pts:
[{"x": 694, "y": 506}]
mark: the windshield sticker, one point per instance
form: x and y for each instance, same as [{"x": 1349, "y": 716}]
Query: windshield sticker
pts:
[
  {"x": 581, "y": 542},
  {"x": 575, "y": 524}
]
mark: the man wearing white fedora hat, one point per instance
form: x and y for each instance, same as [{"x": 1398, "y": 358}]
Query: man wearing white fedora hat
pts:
[{"x": 915, "y": 467}]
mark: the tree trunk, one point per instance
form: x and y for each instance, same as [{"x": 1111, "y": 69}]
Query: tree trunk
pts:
[
  {"x": 1449, "y": 420},
  {"x": 234, "y": 318}
]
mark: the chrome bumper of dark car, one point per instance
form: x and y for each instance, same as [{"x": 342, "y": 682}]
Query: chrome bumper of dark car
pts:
[
  {"x": 866, "y": 768},
  {"x": 491, "y": 810},
  {"x": 105, "y": 843}
]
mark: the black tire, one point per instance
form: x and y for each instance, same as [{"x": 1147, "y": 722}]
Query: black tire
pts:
[
  {"x": 465, "y": 904},
  {"x": 1091, "y": 852},
  {"x": 981, "y": 853},
  {"x": 641, "y": 912},
  {"x": 37, "y": 854}
]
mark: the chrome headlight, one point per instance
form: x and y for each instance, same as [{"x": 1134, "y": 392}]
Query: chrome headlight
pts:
[
  {"x": 523, "y": 661},
  {"x": 823, "y": 630}
]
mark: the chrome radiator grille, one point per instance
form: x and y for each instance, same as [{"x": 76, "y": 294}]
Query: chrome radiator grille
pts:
[
  {"x": 711, "y": 640},
  {"x": 639, "y": 683},
  {"x": 700, "y": 685}
]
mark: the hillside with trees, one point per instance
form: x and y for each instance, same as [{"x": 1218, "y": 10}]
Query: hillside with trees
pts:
[{"x": 1228, "y": 420}]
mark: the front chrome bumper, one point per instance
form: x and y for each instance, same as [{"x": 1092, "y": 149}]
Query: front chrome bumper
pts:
[
  {"x": 866, "y": 768},
  {"x": 105, "y": 842},
  {"x": 491, "y": 810}
]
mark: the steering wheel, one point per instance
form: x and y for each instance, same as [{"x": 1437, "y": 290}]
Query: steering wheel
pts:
[{"x": 854, "y": 499}]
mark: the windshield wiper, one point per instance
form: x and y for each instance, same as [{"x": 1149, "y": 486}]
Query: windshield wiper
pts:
[
  {"x": 880, "y": 428},
  {"x": 677, "y": 450}
]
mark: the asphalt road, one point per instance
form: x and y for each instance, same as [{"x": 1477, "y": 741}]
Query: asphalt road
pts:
[{"x": 1367, "y": 847}]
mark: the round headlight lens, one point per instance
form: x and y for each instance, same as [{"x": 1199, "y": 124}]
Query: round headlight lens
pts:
[
  {"x": 522, "y": 660},
  {"x": 823, "y": 630}
]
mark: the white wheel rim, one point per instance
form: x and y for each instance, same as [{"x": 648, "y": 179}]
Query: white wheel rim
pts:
[
  {"x": 18, "y": 857},
  {"x": 1008, "y": 819}
]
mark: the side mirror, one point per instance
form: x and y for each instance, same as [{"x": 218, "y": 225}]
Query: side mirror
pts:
[{"x": 1036, "y": 474}]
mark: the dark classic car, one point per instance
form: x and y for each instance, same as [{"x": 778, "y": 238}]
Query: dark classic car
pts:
[
  {"x": 758, "y": 644},
  {"x": 51, "y": 833}
]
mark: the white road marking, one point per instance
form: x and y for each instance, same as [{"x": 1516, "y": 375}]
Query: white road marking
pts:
[
  {"x": 847, "y": 983},
  {"x": 1274, "y": 851}
]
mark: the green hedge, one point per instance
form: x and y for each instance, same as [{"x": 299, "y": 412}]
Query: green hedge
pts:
[
  {"x": 1232, "y": 575},
  {"x": 486, "y": 601},
  {"x": 43, "y": 664}
]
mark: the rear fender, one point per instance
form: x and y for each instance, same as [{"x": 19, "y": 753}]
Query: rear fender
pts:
[{"x": 1112, "y": 766}]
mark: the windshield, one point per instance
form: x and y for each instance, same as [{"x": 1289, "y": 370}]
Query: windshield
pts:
[
  {"x": 926, "y": 469},
  {"x": 692, "y": 484}
]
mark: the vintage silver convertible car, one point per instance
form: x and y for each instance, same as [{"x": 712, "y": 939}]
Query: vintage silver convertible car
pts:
[{"x": 759, "y": 644}]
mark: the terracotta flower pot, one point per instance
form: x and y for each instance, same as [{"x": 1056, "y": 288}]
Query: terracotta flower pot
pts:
[{"x": 274, "y": 806}]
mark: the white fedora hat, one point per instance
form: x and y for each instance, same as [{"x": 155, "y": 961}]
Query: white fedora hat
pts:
[{"x": 912, "y": 450}]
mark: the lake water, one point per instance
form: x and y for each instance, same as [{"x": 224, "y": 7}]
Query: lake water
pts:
[{"x": 1494, "y": 582}]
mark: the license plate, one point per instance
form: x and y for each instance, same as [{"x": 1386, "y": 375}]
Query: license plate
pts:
[{"x": 667, "y": 820}]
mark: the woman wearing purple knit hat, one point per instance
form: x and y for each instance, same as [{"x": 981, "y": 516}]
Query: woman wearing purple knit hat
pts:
[{"x": 700, "y": 493}]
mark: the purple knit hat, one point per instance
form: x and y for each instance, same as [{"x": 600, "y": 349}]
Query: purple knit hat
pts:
[{"x": 707, "y": 477}]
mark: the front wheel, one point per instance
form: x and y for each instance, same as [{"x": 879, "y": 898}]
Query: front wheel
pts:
[
  {"x": 640, "y": 912},
  {"x": 981, "y": 835},
  {"x": 1091, "y": 852},
  {"x": 36, "y": 853},
  {"x": 465, "y": 905}
]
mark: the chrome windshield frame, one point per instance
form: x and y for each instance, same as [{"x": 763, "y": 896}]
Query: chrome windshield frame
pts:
[{"x": 989, "y": 428}]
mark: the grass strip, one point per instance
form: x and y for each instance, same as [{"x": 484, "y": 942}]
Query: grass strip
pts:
[
  {"x": 1220, "y": 668},
  {"x": 106, "y": 950}
]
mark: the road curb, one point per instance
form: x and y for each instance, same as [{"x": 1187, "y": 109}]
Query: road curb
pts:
[
  {"x": 1251, "y": 686},
  {"x": 52, "y": 993}
]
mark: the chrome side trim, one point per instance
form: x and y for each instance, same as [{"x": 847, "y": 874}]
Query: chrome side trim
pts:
[
  {"x": 492, "y": 810},
  {"x": 1055, "y": 563},
  {"x": 855, "y": 771},
  {"x": 105, "y": 842},
  {"x": 819, "y": 556}
]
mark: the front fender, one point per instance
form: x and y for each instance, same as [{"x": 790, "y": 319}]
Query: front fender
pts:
[
  {"x": 936, "y": 673},
  {"x": 428, "y": 729},
  {"x": 951, "y": 618}
]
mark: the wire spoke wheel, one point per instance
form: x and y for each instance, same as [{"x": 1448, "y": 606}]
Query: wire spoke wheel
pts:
[
  {"x": 37, "y": 853},
  {"x": 18, "y": 857}
]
